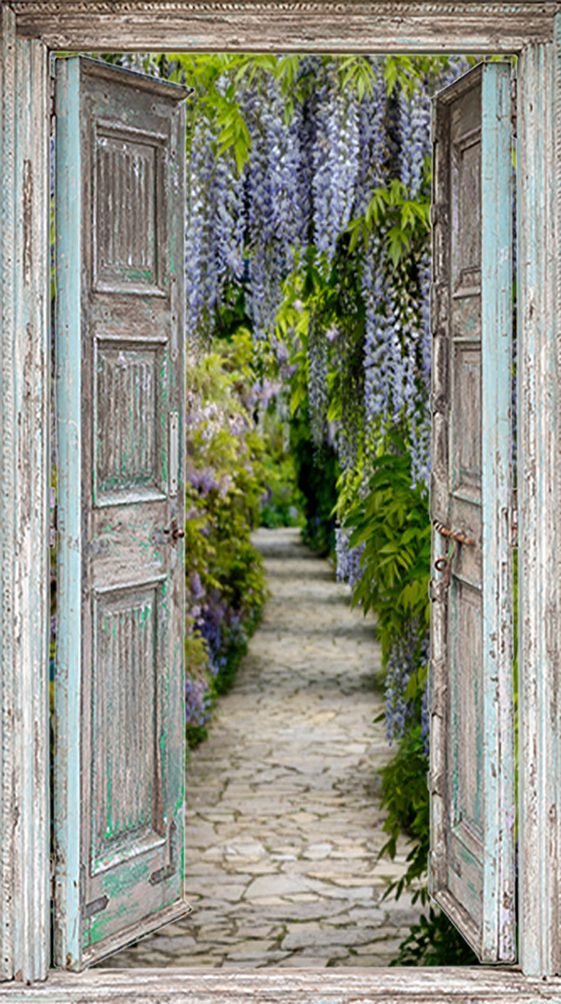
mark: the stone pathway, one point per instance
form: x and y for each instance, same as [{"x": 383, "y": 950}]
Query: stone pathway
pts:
[{"x": 283, "y": 824}]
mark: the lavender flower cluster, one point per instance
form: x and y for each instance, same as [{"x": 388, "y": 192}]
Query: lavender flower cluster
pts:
[
  {"x": 348, "y": 558},
  {"x": 305, "y": 180},
  {"x": 407, "y": 654}
]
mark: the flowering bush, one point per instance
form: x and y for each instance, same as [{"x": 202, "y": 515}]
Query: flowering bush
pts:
[{"x": 224, "y": 486}]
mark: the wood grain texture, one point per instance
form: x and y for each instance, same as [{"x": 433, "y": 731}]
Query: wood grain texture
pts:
[
  {"x": 286, "y": 26},
  {"x": 67, "y": 821},
  {"x": 24, "y": 861},
  {"x": 31, "y": 577},
  {"x": 342, "y": 986},
  {"x": 472, "y": 734},
  {"x": 497, "y": 324},
  {"x": 119, "y": 746},
  {"x": 336, "y": 27},
  {"x": 539, "y": 487}
]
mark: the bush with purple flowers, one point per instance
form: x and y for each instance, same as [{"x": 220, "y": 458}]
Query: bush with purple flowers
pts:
[{"x": 224, "y": 486}]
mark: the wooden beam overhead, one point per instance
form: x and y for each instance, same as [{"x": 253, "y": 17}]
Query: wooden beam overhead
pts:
[{"x": 301, "y": 26}]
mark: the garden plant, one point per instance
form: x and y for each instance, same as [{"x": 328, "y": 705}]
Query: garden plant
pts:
[{"x": 307, "y": 280}]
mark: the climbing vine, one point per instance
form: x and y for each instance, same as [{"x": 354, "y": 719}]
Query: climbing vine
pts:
[{"x": 308, "y": 222}]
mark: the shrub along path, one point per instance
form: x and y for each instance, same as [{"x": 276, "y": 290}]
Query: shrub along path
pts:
[{"x": 283, "y": 822}]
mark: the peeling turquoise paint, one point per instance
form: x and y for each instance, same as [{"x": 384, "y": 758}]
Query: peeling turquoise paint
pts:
[{"x": 127, "y": 757}]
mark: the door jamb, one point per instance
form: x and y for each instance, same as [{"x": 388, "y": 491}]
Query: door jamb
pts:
[{"x": 29, "y": 28}]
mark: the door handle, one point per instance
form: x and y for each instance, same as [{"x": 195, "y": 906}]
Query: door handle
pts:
[
  {"x": 455, "y": 537},
  {"x": 173, "y": 531}
]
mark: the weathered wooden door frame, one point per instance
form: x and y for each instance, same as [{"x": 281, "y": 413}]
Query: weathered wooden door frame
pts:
[{"x": 30, "y": 28}]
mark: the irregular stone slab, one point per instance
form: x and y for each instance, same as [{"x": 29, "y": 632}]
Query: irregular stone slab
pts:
[
  {"x": 283, "y": 818},
  {"x": 306, "y": 935}
]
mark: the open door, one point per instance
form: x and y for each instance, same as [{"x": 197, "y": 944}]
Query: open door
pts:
[
  {"x": 119, "y": 720},
  {"x": 472, "y": 866}
]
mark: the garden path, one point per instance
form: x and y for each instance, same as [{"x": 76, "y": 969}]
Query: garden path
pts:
[{"x": 283, "y": 820}]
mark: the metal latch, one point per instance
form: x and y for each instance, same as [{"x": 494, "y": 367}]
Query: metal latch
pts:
[
  {"x": 173, "y": 532},
  {"x": 456, "y": 535},
  {"x": 444, "y": 564}
]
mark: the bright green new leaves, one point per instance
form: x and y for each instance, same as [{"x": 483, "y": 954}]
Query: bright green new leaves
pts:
[
  {"x": 392, "y": 522},
  {"x": 404, "y": 222},
  {"x": 356, "y": 74}
]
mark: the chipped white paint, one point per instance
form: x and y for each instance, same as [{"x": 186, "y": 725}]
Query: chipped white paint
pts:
[
  {"x": 282, "y": 986},
  {"x": 472, "y": 872},
  {"x": 538, "y": 494},
  {"x": 24, "y": 862},
  {"x": 260, "y": 26}
]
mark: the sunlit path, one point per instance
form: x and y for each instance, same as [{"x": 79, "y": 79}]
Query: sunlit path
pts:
[{"x": 283, "y": 819}]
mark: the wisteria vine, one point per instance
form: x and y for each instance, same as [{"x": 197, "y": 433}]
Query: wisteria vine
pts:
[{"x": 341, "y": 155}]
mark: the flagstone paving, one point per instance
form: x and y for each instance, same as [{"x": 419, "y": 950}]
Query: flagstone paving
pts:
[{"x": 283, "y": 819}]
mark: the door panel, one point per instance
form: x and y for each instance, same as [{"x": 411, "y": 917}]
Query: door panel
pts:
[
  {"x": 472, "y": 722},
  {"x": 119, "y": 749}
]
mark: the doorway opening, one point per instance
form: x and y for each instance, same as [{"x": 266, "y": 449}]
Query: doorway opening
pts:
[{"x": 341, "y": 311}]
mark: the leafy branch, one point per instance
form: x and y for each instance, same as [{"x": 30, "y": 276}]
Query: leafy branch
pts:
[{"x": 404, "y": 221}]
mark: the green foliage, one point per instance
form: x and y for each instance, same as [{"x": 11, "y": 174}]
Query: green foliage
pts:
[
  {"x": 392, "y": 522},
  {"x": 405, "y": 71},
  {"x": 405, "y": 796},
  {"x": 403, "y": 221},
  {"x": 434, "y": 941},
  {"x": 282, "y": 504},
  {"x": 224, "y": 487},
  {"x": 317, "y": 473}
]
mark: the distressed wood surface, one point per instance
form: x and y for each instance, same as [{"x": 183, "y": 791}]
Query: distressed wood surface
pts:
[
  {"x": 24, "y": 859},
  {"x": 338, "y": 986},
  {"x": 497, "y": 330},
  {"x": 297, "y": 26},
  {"x": 472, "y": 734},
  {"x": 539, "y": 502},
  {"x": 119, "y": 738}
]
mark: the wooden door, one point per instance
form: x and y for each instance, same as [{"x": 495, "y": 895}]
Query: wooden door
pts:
[
  {"x": 472, "y": 874},
  {"x": 119, "y": 720}
]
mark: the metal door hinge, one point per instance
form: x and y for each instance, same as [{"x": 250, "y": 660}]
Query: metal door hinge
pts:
[
  {"x": 173, "y": 451},
  {"x": 96, "y": 906},
  {"x": 513, "y": 105},
  {"x": 52, "y": 108}
]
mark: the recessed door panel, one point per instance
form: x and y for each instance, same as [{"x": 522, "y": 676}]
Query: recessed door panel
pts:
[
  {"x": 471, "y": 870},
  {"x": 119, "y": 750},
  {"x": 127, "y": 220}
]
